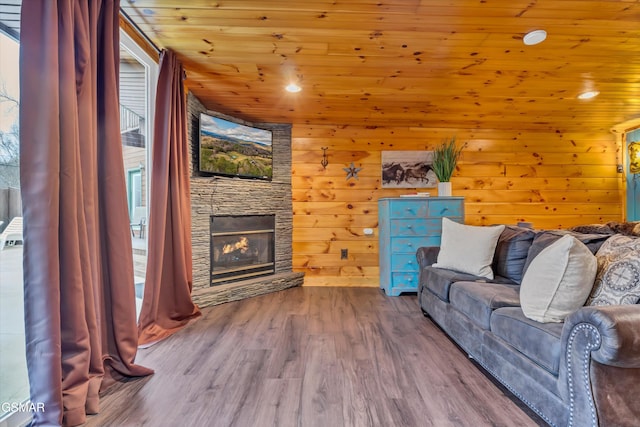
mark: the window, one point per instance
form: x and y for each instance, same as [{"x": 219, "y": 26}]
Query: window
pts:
[
  {"x": 134, "y": 190},
  {"x": 14, "y": 382},
  {"x": 138, "y": 78}
]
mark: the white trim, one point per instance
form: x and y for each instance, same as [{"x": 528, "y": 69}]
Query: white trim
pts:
[{"x": 151, "y": 80}]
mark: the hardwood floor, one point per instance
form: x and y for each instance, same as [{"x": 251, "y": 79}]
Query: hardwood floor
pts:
[{"x": 311, "y": 356}]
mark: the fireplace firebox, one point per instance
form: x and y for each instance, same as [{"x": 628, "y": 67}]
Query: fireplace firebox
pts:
[{"x": 242, "y": 247}]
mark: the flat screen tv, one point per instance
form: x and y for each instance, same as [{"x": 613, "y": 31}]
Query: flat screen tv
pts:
[{"x": 231, "y": 149}]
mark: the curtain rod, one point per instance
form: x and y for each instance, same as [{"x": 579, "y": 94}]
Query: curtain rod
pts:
[{"x": 139, "y": 31}]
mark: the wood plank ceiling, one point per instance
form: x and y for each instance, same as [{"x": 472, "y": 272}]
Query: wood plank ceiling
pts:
[{"x": 423, "y": 63}]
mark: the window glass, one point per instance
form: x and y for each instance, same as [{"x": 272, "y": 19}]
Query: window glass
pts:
[
  {"x": 14, "y": 384},
  {"x": 138, "y": 79}
]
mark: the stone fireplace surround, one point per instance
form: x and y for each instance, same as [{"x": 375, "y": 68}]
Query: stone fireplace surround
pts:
[{"x": 235, "y": 196}]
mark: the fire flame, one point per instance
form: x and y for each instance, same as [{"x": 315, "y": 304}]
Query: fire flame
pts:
[{"x": 242, "y": 245}]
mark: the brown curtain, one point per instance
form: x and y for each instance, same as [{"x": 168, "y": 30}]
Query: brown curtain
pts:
[
  {"x": 167, "y": 305},
  {"x": 80, "y": 319}
]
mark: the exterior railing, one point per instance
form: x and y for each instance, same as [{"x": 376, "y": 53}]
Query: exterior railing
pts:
[{"x": 129, "y": 119}]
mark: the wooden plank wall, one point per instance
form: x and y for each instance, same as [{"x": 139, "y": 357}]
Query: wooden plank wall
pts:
[{"x": 554, "y": 180}]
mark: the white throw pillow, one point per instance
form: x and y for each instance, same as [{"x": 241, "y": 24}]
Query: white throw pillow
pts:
[
  {"x": 558, "y": 280},
  {"x": 468, "y": 248}
]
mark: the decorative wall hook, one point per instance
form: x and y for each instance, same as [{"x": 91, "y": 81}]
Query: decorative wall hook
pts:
[{"x": 325, "y": 161}]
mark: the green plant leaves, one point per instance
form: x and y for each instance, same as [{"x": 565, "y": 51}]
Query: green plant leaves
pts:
[{"x": 445, "y": 157}]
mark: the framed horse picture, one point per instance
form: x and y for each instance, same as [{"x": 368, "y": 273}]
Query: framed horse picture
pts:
[{"x": 408, "y": 169}]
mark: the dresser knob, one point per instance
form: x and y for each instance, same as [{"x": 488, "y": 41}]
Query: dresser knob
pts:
[{"x": 409, "y": 227}]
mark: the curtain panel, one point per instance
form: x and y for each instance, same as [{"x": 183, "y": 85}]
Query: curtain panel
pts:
[
  {"x": 167, "y": 305},
  {"x": 80, "y": 319}
]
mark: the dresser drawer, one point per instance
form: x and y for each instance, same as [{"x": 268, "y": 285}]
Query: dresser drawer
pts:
[
  {"x": 448, "y": 208},
  {"x": 404, "y": 262},
  {"x": 408, "y": 209},
  {"x": 411, "y": 244},
  {"x": 415, "y": 227},
  {"x": 405, "y": 281}
]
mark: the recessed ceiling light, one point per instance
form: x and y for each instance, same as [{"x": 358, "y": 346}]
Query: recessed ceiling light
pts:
[
  {"x": 588, "y": 95},
  {"x": 293, "y": 88},
  {"x": 534, "y": 37}
]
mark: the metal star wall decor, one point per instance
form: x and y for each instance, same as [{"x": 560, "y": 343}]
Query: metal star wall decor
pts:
[{"x": 352, "y": 171}]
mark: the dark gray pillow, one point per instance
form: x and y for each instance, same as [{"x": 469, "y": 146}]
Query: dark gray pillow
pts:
[{"x": 512, "y": 251}]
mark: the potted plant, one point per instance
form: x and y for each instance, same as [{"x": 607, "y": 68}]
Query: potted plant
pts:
[{"x": 445, "y": 157}]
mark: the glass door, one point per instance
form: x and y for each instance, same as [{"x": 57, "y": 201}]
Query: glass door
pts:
[
  {"x": 633, "y": 179},
  {"x": 14, "y": 383},
  {"x": 138, "y": 79}
]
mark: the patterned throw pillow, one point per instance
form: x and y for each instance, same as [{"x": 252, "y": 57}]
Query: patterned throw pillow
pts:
[{"x": 618, "y": 278}]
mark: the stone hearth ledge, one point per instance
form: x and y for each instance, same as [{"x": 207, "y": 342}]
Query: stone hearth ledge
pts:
[{"x": 235, "y": 291}]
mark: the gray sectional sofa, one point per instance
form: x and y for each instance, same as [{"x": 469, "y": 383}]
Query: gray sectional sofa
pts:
[{"x": 584, "y": 371}]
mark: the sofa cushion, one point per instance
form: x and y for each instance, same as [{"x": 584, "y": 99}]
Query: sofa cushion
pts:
[
  {"x": 618, "y": 278},
  {"x": 558, "y": 281},
  {"x": 439, "y": 280},
  {"x": 478, "y": 300},
  {"x": 540, "y": 342},
  {"x": 468, "y": 248},
  {"x": 511, "y": 252}
]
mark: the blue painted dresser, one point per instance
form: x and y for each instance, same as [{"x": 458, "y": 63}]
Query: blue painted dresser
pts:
[{"x": 404, "y": 225}]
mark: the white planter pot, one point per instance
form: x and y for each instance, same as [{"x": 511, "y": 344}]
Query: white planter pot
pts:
[{"x": 444, "y": 189}]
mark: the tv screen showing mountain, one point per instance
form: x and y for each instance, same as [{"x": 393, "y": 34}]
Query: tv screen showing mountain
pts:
[{"x": 232, "y": 149}]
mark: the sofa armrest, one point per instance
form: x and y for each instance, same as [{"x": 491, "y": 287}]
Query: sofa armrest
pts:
[
  {"x": 600, "y": 352},
  {"x": 427, "y": 255},
  {"x": 618, "y": 330}
]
